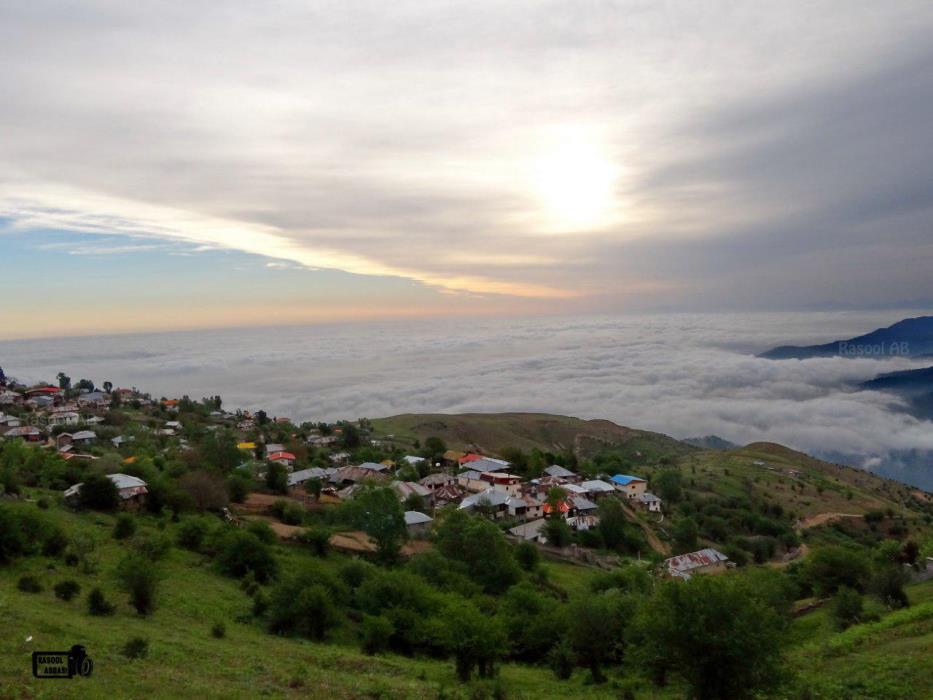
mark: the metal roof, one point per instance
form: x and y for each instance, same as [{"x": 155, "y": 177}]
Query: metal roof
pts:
[
  {"x": 559, "y": 471},
  {"x": 624, "y": 479},
  {"x": 413, "y": 517}
]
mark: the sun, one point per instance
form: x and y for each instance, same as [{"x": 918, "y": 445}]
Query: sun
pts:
[{"x": 575, "y": 183}]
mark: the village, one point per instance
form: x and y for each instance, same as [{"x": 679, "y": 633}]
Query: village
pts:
[{"x": 316, "y": 462}]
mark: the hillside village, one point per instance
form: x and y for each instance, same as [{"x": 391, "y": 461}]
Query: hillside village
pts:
[{"x": 408, "y": 528}]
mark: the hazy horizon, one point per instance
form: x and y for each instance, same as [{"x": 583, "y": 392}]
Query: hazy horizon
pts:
[{"x": 682, "y": 374}]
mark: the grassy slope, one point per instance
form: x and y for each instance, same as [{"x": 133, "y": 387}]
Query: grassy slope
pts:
[
  {"x": 886, "y": 660},
  {"x": 493, "y": 432},
  {"x": 185, "y": 660}
]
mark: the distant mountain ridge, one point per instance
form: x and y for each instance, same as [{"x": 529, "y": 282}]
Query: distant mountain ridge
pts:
[
  {"x": 913, "y": 385},
  {"x": 912, "y": 337},
  {"x": 710, "y": 442}
]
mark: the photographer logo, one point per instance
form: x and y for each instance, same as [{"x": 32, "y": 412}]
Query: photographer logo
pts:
[{"x": 62, "y": 664}]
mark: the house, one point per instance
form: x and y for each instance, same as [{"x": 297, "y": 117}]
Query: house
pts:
[
  {"x": 8, "y": 398},
  {"x": 496, "y": 503},
  {"x": 583, "y": 506},
  {"x": 533, "y": 507},
  {"x": 304, "y": 475},
  {"x": 449, "y": 493},
  {"x": 413, "y": 461},
  {"x": 131, "y": 489},
  {"x": 451, "y": 458},
  {"x": 340, "y": 457},
  {"x": 84, "y": 437},
  {"x": 173, "y": 425},
  {"x": 29, "y": 433},
  {"x": 436, "y": 481},
  {"x": 705, "y": 561},
  {"x": 42, "y": 391},
  {"x": 353, "y": 475},
  {"x": 274, "y": 447},
  {"x": 286, "y": 459},
  {"x": 471, "y": 481},
  {"x": 417, "y": 524},
  {"x": 503, "y": 482},
  {"x": 532, "y": 531},
  {"x": 64, "y": 418},
  {"x": 406, "y": 489},
  {"x": 649, "y": 502},
  {"x": 488, "y": 464},
  {"x": 94, "y": 420},
  {"x": 631, "y": 486},
  {"x": 9, "y": 422},
  {"x": 96, "y": 400},
  {"x": 597, "y": 488},
  {"x": 559, "y": 472},
  {"x": 374, "y": 466},
  {"x": 322, "y": 440}
]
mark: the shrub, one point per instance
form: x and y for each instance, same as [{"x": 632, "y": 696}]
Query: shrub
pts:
[
  {"x": 192, "y": 532},
  {"x": 55, "y": 542},
  {"x": 355, "y": 572},
  {"x": 288, "y": 512},
  {"x": 140, "y": 579},
  {"x": 847, "y": 608},
  {"x": 317, "y": 540},
  {"x": 238, "y": 486},
  {"x": 888, "y": 585},
  {"x": 154, "y": 546},
  {"x": 527, "y": 556},
  {"x": 263, "y": 531},
  {"x": 98, "y": 492},
  {"x": 260, "y": 604},
  {"x": 124, "y": 527},
  {"x": 306, "y": 604},
  {"x": 562, "y": 660},
  {"x": 375, "y": 633},
  {"x": 241, "y": 552},
  {"x": 219, "y": 630},
  {"x": 43, "y": 503},
  {"x": 136, "y": 648},
  {"x": 66, "y": 590},
  {"x": 97, "y": 604},
  {"x": 206, "y": 490},
  {"x": 29, "y": 584}
]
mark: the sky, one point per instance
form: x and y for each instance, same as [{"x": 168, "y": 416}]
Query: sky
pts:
[{"x": 182, "y": 165}]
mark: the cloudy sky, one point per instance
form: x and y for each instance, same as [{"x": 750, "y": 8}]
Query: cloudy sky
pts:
[{"x": 187, "y": 164}]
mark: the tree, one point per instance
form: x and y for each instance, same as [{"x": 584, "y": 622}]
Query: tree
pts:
[
  {"x": 828, "y": 568},
  {"x": 98, "y": 492},
  {"x": 668, "y": 485},
  {"x": 474, "y": 640},
  {"x": 108, "y": 387},
  {"x": 557, "y": 532},
  {"x": 139, "y": 578},
  {"x": 530, "y": 620},
  {"x": 887, "y": 583},
  {"x": 596, "y": 624},
  {"x": 314, "y": 487},
  {"x": 378, "y": 513},
  {"x": 64, "y": 381},
  {"x": 482, "y": 547},
  {"x": 241, "y": 552},
  {"x": 434, "y": 447},
  {"x": 723, "y": 641},
  {"x": 847, "y": 608},
  {"x": 206, "y": 489},
  {"x": 556, "y": 496},
  {"x": 685, "y": 532},
  {"x": 351, "y": 436},
  {"x": 276, "y": 477},
  {"x": 2, "y": 377},
  {"x": 527, "y": 556},
  {"x": 614, "y": 526},
  {"x": 307, "y": 603}
]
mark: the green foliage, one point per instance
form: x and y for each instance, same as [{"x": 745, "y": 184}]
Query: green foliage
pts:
[
  {"x": 562, "y": 659},
  {"x": 668, "y": 484},
  {"x": 29, "y": 584},
  {"x": 238, "y": 487},
  {"x": 98, "y": 492},
  {"x": 66, "y": 590},
  {"x": 136, "y": 648},
  {"x": 685, "y": 532},
  {"x": 193, "y": 532},
  {"x": 531, "y": 622},
  {"x": 24, "y": 531},
  {"x": 98, "y": 605},
  {"x": 124, "y": 527},
  {"x": 218, "y": 630},
  {"x": 482, "y": 547},
  {"x": 474, "y": 640},
  {"x": 307, "y": 603},
  {"x": 152, "y": 545},
  {"x": 887, "y": 584},
  {"x": 375, "y": 633},
  {"x": 847, "y": 608},
  {"x": 240, "y": 552},
  {"x": 276, "y": 477},
  {"x": 616, "y": 531},
  {"x": 596, "y": 625},
  {"x": 377, "y": 512},
  {"x": 527, "y": 556},
  {"x": 140, "y": 578},
  {"x": 288, "y": 512},
  {"x": 713, "y": 633},
  {"x": 317, "y": 539},
  {"x": 828, "y": 568},
  {"x": 262, "y": 530}
]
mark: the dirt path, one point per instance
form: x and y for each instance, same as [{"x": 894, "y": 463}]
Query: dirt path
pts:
[
  {"x": 656, "y": 544},
  {"x": 823, "y": 518}
]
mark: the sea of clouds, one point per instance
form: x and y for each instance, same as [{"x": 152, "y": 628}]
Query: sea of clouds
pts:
[{"x": 684, "y": 375}]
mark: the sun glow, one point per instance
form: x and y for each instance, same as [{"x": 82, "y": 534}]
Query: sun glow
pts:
[{"x": 576, "y": 184}]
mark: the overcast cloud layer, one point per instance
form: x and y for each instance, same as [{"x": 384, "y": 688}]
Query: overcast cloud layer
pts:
[
  {"x": 685, "y": 375},
  {"x": 767, "y": 155}
]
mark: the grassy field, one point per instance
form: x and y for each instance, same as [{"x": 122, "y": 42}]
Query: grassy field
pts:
[{"x": 874, "y": 660}]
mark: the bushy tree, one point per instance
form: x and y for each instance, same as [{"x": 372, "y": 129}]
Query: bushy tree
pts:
[
  {"x": 828, "y": 568},
  {"x": 596, "y": 626},
  {"x": 124, "y": 527},
  {"x": 276, "y": 477},
  {"x": 474, "y": 640},
  {"x": 847, "y": 608},
  {"x": 98, "y": 492},
  {"x": 668, "y": 484},
  {"x": 307, "y": 603},
  {"x": 724, "y": 642},
  {"x": 482, "y": 547},
  {"x": 685, "y": 533},
  {"x": 240, "y": 552},
  {"x": 531, "y": 622},
  {"x": 139, "y": 578},
  {"x": 206, "y": 489},
  {"x": 377, "y": 512}
]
